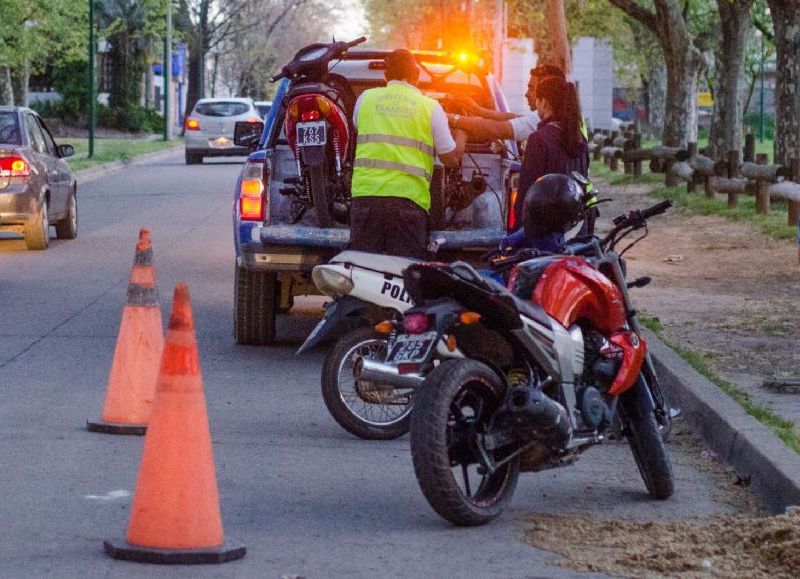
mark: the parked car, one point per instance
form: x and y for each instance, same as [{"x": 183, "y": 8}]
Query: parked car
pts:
[
  {"x": 278, "y": 244},
  {"x": 263, "y": 108},
  {"x": 37, "y": 188},
  {"x": 209, "y": 127}
]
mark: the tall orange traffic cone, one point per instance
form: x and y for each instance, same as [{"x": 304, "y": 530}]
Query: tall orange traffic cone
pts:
[
  {"x": 132, "y": 380},
  {"x": 175, "y": 516}
]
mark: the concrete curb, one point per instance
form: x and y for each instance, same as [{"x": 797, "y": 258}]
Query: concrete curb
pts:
[
  {"x": 738, "y": 438},
  {"x": 92, "y": 173}
]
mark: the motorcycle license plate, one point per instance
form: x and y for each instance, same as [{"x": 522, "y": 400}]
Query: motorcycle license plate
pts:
[
  {"x": 411, "y": 348},
  {"x": 309, "y": 134}
]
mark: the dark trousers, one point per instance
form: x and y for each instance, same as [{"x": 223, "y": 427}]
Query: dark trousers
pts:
[{"x": 390, "y": 225}]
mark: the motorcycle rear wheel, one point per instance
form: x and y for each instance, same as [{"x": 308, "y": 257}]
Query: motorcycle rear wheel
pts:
[
  {"x": 319, "y": 195},
  {"x": 646, "y": 441},
  {"x": 370, "y": 411},
  {"x": 456, "y": 402}
]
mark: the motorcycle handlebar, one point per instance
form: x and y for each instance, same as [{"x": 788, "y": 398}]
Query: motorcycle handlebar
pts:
[
  {"x": 277, "y": 77},
  {"x": 656, "y": 209},
  {"x": 356, "y": 42}
]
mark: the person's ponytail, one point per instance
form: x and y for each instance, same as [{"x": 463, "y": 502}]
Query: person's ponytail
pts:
[{"x": 563, "y": 98}]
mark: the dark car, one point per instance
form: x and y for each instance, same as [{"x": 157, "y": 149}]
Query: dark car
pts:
[{"x": 37, "y": 188}]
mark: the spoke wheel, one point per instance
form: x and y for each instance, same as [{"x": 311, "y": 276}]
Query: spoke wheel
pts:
[
  {"x": 454, "y": 406},
  {"x": 366, "y": 409}
]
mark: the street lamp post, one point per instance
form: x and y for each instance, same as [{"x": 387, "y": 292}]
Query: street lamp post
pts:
[
  {"x": 761, "y": 104},
  {"x": 92, "y": 97},
  {"x": 167, "y": 71}
]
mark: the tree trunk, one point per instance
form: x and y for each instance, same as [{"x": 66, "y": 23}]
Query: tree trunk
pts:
[
  {"x": 197, "y": 80},
  {"x": 684, "y": 65},
  {"x": 126, "y": 71},
  {"x": 19, "y": 84},
  {"x": 786, "y": 20},
  {"x": 656, "y": 99},
  {"x": 557, "y": 28},
  {"x": 726, "y": 123},
  {"x": 6, "y": 92}
]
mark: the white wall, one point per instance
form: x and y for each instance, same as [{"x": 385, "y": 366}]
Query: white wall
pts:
[
  {"x": 592, "y": 71},
  {"x": 518, "y": 60}
]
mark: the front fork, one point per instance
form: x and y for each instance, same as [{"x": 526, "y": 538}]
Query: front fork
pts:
[{"x": 661, "y": 408}]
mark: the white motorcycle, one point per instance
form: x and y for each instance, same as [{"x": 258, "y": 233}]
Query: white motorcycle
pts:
[{"x": 366, "y": 288}]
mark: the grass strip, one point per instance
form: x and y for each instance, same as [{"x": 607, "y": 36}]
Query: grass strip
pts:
[
  {"x": 783, "y": 429},
  {"x": 109, "y": 150}
]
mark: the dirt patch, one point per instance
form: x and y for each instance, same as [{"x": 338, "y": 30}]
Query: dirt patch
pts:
[
  {"x": 723, "y": 547},
  {"x": 723, "y": 290}
]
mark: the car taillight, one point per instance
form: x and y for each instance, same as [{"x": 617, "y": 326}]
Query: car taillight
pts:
[
  {"x": 416, "y": 323},
  {"x": 254, "y": 191},
  {"x": 254, "y": 120},
  {"x": 192, "y": 125},
  {"x": 309, "y": 116},
  {"x": 14, "y": 167}
]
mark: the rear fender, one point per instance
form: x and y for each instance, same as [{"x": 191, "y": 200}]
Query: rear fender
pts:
[
  {"x": 335, "y": 313},
  {"x": 312, "y": 155}
]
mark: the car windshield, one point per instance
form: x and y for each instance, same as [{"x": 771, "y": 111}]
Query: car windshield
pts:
[
  {"x": 9, "y": 128},
  {"x": 221, "y": 109}
]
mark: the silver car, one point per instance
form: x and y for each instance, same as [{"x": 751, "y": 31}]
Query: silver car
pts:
[
  {"x": 37, "y": 188},
  {"x": 209, "y": 127}
]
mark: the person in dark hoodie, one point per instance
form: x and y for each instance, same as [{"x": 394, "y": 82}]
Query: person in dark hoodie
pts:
[{"x": 558, "y": 144}]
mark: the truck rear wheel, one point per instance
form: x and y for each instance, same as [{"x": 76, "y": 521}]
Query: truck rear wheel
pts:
[{"x": 255, "y": 305}]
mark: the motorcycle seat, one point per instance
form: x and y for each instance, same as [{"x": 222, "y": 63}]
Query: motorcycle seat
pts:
[{"x": 379, "y": 262}]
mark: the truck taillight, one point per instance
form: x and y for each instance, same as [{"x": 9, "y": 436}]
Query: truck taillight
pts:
[
  {"x": 14, "y": 167},
  {"x": 254, "y": 191}
]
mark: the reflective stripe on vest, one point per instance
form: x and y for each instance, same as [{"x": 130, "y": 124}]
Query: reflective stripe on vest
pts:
[
  {"x": 378, "y": 164},
  {"x": 395, "y": 153},
  {"x": 402, "y": 141}
]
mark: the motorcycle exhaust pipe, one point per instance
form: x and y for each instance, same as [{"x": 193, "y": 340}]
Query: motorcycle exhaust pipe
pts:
[
  {"x": 533, "y": 412},
  {"x": 374, "y": 371}
]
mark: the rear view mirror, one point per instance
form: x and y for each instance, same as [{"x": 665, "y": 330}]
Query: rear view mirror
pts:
[
  {"x": 66, "y": 151},
  {"x": 247, "y": 134}
]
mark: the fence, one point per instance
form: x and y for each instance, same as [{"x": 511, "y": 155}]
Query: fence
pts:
[{"x": 736, "y": 175}]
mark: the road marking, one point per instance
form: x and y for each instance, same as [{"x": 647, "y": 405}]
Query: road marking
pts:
[{"x": 110, "y": 496}]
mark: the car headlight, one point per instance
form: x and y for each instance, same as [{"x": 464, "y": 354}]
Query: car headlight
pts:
[{"x": 331, "y": 281}]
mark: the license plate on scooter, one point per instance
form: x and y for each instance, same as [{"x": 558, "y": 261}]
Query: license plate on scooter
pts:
[
  {"x": 411, "y": 348},
  {"x": 309, "y": 134}
]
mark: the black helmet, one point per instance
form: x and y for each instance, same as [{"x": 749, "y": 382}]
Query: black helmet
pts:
[{"x": 554, "y": 204}]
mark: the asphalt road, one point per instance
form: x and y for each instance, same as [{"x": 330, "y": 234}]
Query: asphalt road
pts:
[{"x": 305, "y": 497}]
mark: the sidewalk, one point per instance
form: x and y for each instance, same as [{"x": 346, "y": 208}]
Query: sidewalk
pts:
[
  {"x": 728, "y": 295},
  {"x": 92, "y": 173}
]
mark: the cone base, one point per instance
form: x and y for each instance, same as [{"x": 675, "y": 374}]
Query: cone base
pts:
[
  {"x": 116, "y": 427},
  {"x": 121, "y": 549}
]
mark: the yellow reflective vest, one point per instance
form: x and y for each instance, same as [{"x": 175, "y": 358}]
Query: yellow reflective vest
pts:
[{"x": 394, "y": 151}]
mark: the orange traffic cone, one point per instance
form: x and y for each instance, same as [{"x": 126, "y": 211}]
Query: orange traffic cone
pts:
[
  {"x": 175, "y": 517},
  {"x": 132, "y": 380}
]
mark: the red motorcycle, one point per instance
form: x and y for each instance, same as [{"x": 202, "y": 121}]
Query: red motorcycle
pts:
[
  {"x": 318, "y": 128},
  {"x": 537, "y": 373}
]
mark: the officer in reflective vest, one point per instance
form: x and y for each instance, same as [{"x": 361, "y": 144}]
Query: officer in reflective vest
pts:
[{"x": 400, "y": 132}]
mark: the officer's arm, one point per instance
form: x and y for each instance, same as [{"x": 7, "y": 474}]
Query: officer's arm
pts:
[
  {"x": 453, "y": 158},
  {"x": 482, "y": 130}
]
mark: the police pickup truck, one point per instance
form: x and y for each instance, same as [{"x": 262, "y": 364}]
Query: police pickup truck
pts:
[{"x": 277, "y": 247}]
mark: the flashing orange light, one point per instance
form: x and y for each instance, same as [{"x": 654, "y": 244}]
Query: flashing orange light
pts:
[
  {"x": 324, "y": 106},
  {"x": 469, "y": 318},
  {"x": 384, "y": 327},
  {"x": 451, "y": 343},
  {"x": 252, "y": 202},
  {"x": 294, "y": 111},
  {"x": 192, "y": 125},
  {"x": 463, "y": 57}
]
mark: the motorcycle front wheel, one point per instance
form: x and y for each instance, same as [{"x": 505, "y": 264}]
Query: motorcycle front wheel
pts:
[
  {"x": 319, "y": 195},
  {"x": 368, "y": 410},
  {"x": 646, "y": 441},
  {"x": 454, "y": 406}
]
